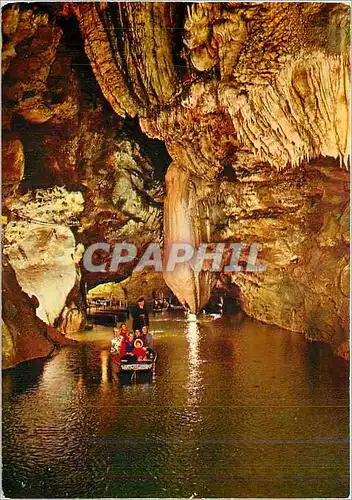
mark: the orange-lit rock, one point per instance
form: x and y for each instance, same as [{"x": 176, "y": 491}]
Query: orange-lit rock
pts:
[
  {"x": 12, "y": 164},
  {"x": 24, "y": 335}
]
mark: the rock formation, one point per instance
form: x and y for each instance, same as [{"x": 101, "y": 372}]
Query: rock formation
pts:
[
  {"x": 139, "y": 284},
  {"x": 252, "y": 103},
  {"x": 24, "y": 335},
  {"x": 41, "y": 247},
  {"x": 73, "y": 172}
]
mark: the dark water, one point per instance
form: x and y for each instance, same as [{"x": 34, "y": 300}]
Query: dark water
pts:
[{"x": 236, "y": 409}]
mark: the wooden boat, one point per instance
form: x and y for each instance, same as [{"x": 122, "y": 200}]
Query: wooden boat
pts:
[
  {"x": 124, "y": 366},
  {"x": 159, "y": 306},
  {"x": 177, "y": 307},
  {"x": 160, "y": 309}
]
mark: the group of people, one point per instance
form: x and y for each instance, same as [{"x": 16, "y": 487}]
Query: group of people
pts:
[
  {"x": 136, "y": 345},
  {"x": 130, "y": 346}
]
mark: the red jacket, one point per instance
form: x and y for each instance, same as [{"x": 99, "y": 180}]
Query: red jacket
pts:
[
  {"x": 139, "y": 352},
  {"x": 126, "y": 347}
]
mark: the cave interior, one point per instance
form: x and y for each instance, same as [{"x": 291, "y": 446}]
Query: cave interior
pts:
[{"x": 167, "y": 122}]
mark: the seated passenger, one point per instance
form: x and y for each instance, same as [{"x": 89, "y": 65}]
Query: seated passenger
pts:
[
  {"x": 147, "y": 337},
  {"x": 139, "y": 350},
  {"x": 138, "y": 335},
  {"x": 124, "y": 330},
  {"x": 117, "y": 330},
  {"x": 115, "y": 345},
  {"x": 127, "y": 347}
]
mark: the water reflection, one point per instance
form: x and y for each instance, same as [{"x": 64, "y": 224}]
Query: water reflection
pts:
[
  {"x": 194, "y": 362},
  {"x": 104, "y": 358},
  {"x": 28, "y": 378},
  {"x": 238, "y": 409}
]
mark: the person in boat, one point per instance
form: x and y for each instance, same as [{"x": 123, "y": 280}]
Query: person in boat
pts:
[
  {"x": 124, "y": 330},
  {"x": 147, "y": 337},
  {"x": 115, "y": 344},
  {"x": 117, "y": 329},
  {"x": 140, "y": 315},
  {"x": 127, "y": 347},
  {"x": 220, "y": 305},
  {"x": 139, "y": 351},
  {"x": 138, "y": 335}
]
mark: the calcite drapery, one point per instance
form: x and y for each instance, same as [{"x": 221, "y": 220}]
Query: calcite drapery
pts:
[
  {"x": 268, "y": 79},
  {"x": 130, "y": 49},
  {"x": 183, "y": 226},
  {"x": 303, "y": 114}
]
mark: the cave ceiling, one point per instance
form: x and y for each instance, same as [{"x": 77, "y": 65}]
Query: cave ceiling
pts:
[{"x": 219, "y": 82}]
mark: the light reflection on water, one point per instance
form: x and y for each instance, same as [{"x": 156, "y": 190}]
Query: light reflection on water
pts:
[
  {"x": 236, "y": 409},
  {"x": 194, "y": 375}
]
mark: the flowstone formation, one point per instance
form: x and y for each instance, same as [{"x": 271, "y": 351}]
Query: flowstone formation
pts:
[{"x": 252, "y": 103}]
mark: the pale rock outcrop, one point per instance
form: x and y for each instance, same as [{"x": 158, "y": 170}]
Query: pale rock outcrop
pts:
[
  {"x": 24, "y": 335},
  {"x": 41, "y": 247},
  {"x": 149, "y": 80}
]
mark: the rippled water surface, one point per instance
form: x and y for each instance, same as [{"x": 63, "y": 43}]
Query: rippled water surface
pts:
[{"x": 236, "y": 409}]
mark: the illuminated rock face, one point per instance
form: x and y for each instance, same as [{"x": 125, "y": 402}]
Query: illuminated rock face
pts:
[
  {"x": 252, "y": 103},
  {"x": 68, "y": 137},
  {"x": 42, "y": 249},
  {"x": 139, "y": 284},
  {"x": 24, "y": 335},
  {"x": 301, "y": 222},
  {"x": 300, "y": 219}
]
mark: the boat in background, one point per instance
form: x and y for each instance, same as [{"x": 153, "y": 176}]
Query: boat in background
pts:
[
  {"x": 175, "y": 305},
  {"x": 160, "y": 305}
]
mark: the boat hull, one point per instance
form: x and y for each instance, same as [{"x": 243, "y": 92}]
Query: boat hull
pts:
[{"x": 135, "y": 366}]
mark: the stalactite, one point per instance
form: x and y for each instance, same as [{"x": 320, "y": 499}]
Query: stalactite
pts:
[
  {"x": 302, "y": 115},
  {"x": 107, "y": 66}
]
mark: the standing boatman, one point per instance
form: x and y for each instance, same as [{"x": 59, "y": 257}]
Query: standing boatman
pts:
[{"x": 140, "y": 315}]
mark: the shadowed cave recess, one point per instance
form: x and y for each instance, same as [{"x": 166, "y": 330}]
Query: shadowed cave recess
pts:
[{"x": 166, "y": 122}]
